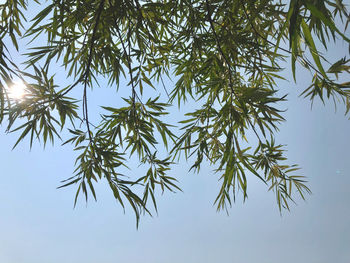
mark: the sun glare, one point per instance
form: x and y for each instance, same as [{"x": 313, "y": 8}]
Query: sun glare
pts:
[{"x": 17, "y": 91}]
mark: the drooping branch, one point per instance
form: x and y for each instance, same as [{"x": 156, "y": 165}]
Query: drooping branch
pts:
[{"x": 228, "y": 65}]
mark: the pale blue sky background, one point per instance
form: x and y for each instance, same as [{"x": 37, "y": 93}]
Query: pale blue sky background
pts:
[{"x": 39, "y": 225}]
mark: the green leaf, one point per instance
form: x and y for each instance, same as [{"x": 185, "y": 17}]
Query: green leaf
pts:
[{"x": 310, "y": 42}]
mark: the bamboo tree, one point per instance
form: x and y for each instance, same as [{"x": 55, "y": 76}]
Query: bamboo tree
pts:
[{"x": 225, "y": 56}]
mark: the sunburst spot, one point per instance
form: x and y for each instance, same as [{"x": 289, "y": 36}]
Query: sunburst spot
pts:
[{"x": 17, "y": 90}]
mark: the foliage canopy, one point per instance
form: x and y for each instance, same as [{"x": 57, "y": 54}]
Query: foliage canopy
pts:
[{"x": 224, "y": 55}]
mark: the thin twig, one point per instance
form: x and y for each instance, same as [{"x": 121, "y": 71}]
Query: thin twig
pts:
[{"x": 88, "y": 66}]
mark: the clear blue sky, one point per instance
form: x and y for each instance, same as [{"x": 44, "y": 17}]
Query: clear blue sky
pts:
[{"x": 39, "y": 225}]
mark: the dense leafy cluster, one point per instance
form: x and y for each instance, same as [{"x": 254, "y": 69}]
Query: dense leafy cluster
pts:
[{"x": 224, "y": 55}]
